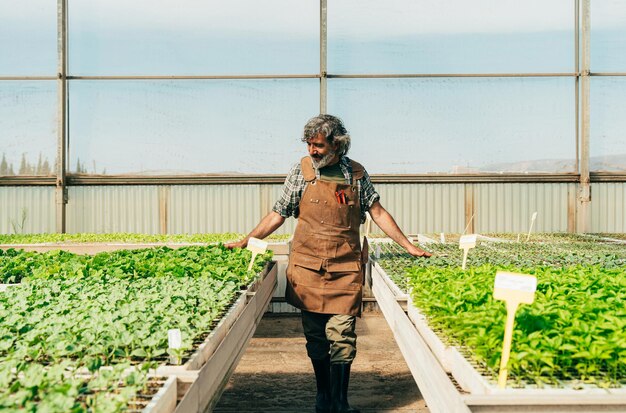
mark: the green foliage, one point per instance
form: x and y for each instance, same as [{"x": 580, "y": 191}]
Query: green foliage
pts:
[
  {"x": 215, "y": 260},
  {"x": 128, "y": 238},
  {"x": 101, "y": 314},
  {"x": 575, "y": 329},
  {"x": 395, "y": 260}
]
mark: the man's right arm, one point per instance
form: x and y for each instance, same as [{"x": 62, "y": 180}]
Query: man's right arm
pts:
[
  {"x": 270, "y": 223},
  {"x": 285, "y": 207}
]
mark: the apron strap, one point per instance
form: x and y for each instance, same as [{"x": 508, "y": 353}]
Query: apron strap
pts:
[
  {"x": 358, "y": 171},
  {"x": 308, "y": 172}
]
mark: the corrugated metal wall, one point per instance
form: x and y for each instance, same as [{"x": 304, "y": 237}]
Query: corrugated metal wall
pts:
[
  {"x": 113, "y": 209},
  {"x": 498, "y": 207},
  {"x": 423, "y": 208},
  {"x": 509, "y": 207},
  {"x": 608, "y": 207},
  {"x": 33, "y": 206},
  {"x": 221, "y": 208}
]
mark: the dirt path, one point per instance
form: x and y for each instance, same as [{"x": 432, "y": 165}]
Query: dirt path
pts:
[{"x": 275, "y": 375}]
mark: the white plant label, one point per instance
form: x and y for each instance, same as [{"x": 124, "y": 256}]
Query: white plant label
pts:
[
  {"x": 422, "y": 239},
  {"x": 377, "y": 252},
  {"x": 257, "y": 247},
  {"x": 518, "y": 282},
  {"x": 442, "y": 238},
  {"x": 468, "y": 241},
  {"x": 465, "y": 243},
  {"x": 174, "y": 338},
  {"x": 514, "y": 289},
  {"x": 532, "y": 222}
]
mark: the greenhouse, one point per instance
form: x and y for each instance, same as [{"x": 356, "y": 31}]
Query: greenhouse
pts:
[{"x": 205, "y": 206}]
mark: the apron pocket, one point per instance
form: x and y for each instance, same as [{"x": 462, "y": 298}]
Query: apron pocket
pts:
[
  {"x": 345, "y": 275},
  {"x": 348, "y": 266},
  {"x": 306, "y": 261},
  {"x": 338, "y": 215},
  {"x": 305, "y": 270}
]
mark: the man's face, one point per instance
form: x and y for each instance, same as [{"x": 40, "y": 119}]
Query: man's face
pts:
[{"x": 322, "y": 153}]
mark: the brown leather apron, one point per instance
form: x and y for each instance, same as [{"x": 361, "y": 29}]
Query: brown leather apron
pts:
[{"x": 325, "y": 274}]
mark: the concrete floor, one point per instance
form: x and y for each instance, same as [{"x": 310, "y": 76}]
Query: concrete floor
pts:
[{"x": 275, "y": 375}]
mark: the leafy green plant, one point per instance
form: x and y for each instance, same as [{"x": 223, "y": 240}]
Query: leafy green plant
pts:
[
  {"x": 575, "y": 329},
  {"x": 101, "y": 314}
]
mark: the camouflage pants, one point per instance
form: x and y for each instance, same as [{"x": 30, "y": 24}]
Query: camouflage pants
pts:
[{"x": 332, "y": 334}]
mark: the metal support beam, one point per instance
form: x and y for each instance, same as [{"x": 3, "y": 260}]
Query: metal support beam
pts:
[
  {"x": 61, "y": 190},
  {"x": 583, "y": 210},
  {"x": 164, "y": 202},
  {"x": 470, "y": 210},
  {"x": 323, "y": 54}
]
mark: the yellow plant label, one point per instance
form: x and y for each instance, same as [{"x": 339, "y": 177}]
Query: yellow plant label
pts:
[{"x": 514, "y": 289}]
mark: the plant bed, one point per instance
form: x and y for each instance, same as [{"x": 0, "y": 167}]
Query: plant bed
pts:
[
  {"x": 159, "y": 397},
  {"x": 123, "y": 303},
  {"x": 563, "y": 378},
  {"x": 85, "y": 243},
  {"x": 64, "y": 387},
  {"x": 204, "y": 387}
]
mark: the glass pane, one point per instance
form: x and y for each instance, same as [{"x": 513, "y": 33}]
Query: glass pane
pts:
[
  {"x": 28, "y": 127},
  {"x": 187, "y": 127},
  {"x": 608, "y": 36},
  {"x": 608, "y": 124},
  {"x": 28, "y": 38},
  {"x": 458, "y": 125},
  {"x": 160, "y": 37},
  {"x": 420, "y": 36}
]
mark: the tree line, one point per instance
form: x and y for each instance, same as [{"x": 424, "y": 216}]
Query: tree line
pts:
[{"x": 40, "y": 168}]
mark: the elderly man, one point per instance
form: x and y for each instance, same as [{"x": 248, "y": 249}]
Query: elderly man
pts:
[{"x": 329, "y": 194}]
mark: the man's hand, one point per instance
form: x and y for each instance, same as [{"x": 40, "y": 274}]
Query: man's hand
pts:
[
  {"x": 385, "y": 221},
  {"x": 268, "y": 224},
  {"x": 417, "y": 252},
  {"x": 239, "y": 244}
]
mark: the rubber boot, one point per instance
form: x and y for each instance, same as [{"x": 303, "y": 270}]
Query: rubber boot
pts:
[
  {"x": 322, "y": 378},
  {"x": 339, "y": 380}
]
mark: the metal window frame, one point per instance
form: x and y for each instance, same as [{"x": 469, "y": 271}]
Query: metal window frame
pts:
[{"x": 63, "y": 178}]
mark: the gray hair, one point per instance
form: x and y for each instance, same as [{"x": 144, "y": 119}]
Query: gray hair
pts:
[{"x": 330, "y": 127}]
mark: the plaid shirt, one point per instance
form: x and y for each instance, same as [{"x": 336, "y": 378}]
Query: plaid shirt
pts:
[{"x": 289, "y": 202}]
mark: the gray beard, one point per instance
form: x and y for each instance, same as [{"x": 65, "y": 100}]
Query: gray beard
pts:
[{"x": 324, "y": 161}]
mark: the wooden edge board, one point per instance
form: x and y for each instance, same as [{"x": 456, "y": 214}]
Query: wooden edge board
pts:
[
  {"x": 265, "y": 292},
  {"x": 466, "y": 375},
  {"x": 260, "y": 279},
  {"x": 434, "y": 384},
  {"x": 220, "y": 385},
  {"x": 438, "y": 347},
  {"x": 164, "y": 401},
  {"x": 3, "y": 287},
  {"x": 392, "y": 286},
  {"x": 510, "y": 398},
  {"x": 187, "y": 392},
  {"x": 211, "y": 379},
  {"x": 615, "y": 240},
  {"x": 207, "y": 348}
]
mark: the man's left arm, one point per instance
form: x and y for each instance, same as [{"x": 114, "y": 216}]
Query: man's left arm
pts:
[{"x": 385, "y": 221}]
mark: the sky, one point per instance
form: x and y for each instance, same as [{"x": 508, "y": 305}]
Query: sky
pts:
[{"x": 438, "y": 125}]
